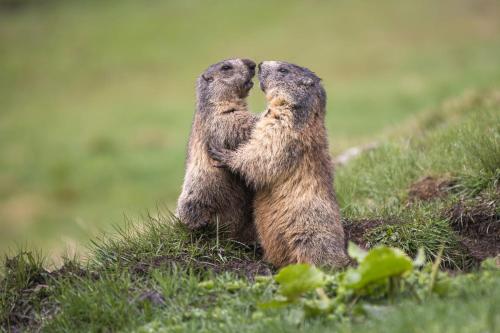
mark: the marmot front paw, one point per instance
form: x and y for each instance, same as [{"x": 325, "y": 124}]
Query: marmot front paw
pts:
[{"x": 219, "y": 155}]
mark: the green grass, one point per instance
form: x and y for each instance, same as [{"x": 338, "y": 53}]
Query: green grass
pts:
[
  {"x": 97, "y": 98},
  {"x": 154, "y": 275},
  {"x": 473, "y": 311},
  {"x": 376, "y": 186}
]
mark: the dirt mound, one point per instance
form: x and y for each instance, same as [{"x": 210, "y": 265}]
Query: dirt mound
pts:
[
  {"x": 243, "y": 267},
  {"x": 429, "y": 187},
  {"x": 478, "y": 224},
  {"x": 357, "y": 230}
]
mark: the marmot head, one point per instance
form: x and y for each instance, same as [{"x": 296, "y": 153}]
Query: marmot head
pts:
[
  {"x": 226, "y": 80},
  {"x": 296, "y": 86}
]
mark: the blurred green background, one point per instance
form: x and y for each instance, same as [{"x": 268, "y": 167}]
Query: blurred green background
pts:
[{"x": 97, "y": 97}]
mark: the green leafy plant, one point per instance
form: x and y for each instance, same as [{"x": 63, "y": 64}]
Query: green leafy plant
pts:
[
  {"x": 378, "y": 265},
  {"x": 294, "y": 281},
  {"x": 382, "y": 271}
]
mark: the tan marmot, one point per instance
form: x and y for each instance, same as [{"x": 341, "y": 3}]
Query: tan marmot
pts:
[
  {"x": 222, "y": 119},
  {"x": 288, "y": 163}
]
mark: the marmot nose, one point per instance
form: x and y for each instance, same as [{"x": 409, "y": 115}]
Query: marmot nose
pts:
[
  {"x": 260, "y": 66},
  {"x": 249, "y": 63}
]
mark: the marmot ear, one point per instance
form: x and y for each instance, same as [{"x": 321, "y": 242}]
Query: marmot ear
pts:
[
  {"x": 207, "y": 78},
  {"x": 306, "y": 81}
]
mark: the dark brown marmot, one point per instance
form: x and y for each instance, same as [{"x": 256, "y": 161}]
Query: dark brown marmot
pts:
[
  {"x": 288, "y": 163},
  {"x": 221, "y": 119}
]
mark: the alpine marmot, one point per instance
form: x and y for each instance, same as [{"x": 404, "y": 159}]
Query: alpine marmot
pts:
[{"x": 221, "y": 119}]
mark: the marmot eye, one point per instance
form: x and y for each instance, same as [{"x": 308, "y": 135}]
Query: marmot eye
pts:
[
  {"x": 226, "y": 67},
  {"x": 282, "y": 70}
]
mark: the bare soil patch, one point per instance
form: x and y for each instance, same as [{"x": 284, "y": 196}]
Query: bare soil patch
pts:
[
  {"x": 429, "y": 188},
  {"x": 357, "y": 231},
  {"x": 478, "y": 224}
]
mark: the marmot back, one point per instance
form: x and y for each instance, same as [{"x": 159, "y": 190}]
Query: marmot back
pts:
[
  {"x": 222, "y": 118},
  {"x": 287, "y": 161}
]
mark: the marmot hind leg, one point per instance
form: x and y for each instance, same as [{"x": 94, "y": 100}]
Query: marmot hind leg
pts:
[
  {"x": 320, "y": 251},
  {"x": 236, "y": 225},
  {"x": 194, "y": 214}
]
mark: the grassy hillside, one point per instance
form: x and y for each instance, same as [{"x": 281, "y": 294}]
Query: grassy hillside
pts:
[
  {"x": 96, "y": 98},
  {"x": 436, "y": 189}
]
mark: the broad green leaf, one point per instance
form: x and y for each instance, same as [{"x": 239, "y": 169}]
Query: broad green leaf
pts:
[
  {"x": 294, "y": 280},
  {"x": 379, "y": 264},
  {"x": 356, "y": 252}
]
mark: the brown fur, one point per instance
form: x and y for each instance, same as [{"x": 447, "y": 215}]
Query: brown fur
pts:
[
  {"x": 209, "y": 193},
  {"x": 288, "y": 162}
]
